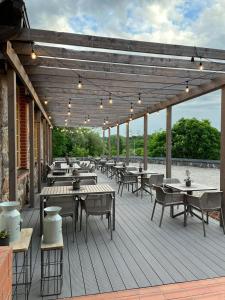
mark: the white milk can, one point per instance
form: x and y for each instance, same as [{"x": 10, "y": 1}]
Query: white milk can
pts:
[
  {"x": 10, "y": 219},
  {"x": 52, "y": 225}
]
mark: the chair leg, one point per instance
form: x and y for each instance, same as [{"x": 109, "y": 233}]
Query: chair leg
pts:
[
  {"x": 86, "y": 237},
  {"x": 207, "y": 217},
  {"x": 111, "y": 231},
  {"x": 119, "y": 187},
  {"x": 160, "y": 223},
  {"x": 151, "y": 194},
  {"x": 153, "y": 211},
  {"x": 203, "y": 224},
  {"x": 80, "y": 217},
  {"x": 122, "y": 190}
]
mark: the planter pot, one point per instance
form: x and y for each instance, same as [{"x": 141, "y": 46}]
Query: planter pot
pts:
[
  {"x": 10, "y": 219},
  {"x": 52, "y": 225},
  {"x": 4, "y": 242},
  {"x": 140, "y": 170},
  {"x": 188, "y": 182},
  {"x": 76, "y": 185}
]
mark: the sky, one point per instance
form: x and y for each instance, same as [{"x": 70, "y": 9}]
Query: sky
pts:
[{"x": 198, "y": 23}]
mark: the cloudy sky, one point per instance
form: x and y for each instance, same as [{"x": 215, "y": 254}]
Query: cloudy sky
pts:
[{"x": 186, "y": 22}]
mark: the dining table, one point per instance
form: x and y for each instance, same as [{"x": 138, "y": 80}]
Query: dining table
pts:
[
  {"x": 142, "y": 175},
  {"x": 84, "y": 190},
  {"x": 51, "y": 178}
]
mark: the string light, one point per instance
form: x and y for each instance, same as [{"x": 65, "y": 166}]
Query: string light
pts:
[
  {"x": 49, "y": 117},
  {"x": 33, "y": 54},
  {"x": 110, "y": 98},
  {"x": 69, "y": 104},
  {"x": 107, "y": 120},
  {"x": 117, "y": 124},
  {"x": 139, "y": 98},
  {"x": 187, "y": 87},
  {"x": 69, "y": 113},
  {"x": 65, "y": 120},
  {"x": 201, "y": 65},
  {"x": 79, "y": 85},
  {"x": 46, "y": 101},
  {"x": 104, "y": 122},
  {"x": 101, "y": 105},
  {"x": 88, "y": 118},
  {"x": 85, "y": 121},
  {"x": 131, "y": 117},
  {"x": 131, "y": 107}
]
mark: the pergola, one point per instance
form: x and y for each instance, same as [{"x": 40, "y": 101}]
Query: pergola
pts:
[{"x": 143, "y": 76}]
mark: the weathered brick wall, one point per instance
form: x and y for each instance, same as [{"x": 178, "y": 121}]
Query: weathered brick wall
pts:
[
  {"x": 5, "y": 273},
  {"x": 4, "y": 158}
]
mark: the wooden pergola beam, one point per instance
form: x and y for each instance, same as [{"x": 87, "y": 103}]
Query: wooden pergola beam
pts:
[
  {"x": 14, "y": 60},
  {"x": 47, "y": 36}
]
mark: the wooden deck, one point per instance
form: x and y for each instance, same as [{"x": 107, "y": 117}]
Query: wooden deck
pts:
[{"x": 140, "y": 255}]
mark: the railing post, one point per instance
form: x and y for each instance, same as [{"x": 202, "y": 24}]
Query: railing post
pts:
[
  {"x": 103, "y": 141},
  {"x": 109, "y": 143},
  {"x": 168, "y": 141},
  {"x": 146, "y": 141},
  {"x": 127, "y": 144},
  {"x": 12, "y": 134}
]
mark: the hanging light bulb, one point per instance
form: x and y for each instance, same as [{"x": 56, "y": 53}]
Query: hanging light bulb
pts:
[
  {"x": 33, "y": 54},
  {"x": 139, "y": 98},
  {"x": 131, "y": 117},
  {"x": 107, "y": 120},
  {"x": 85, "y": 121},
  {"x": 101, "y": 105},
  {"x": 88, "y": 118},
  {"x": 68, "y": 113},
  {"x": 131, "y": 107},
  {"x": 117, "y": 124},
  {"x": 65, "y": 120},
  {"x": 49, "y": 117},
  {"x": 104, "y": 122},
  {"x": 187, "y": 87},
  {"x": 79, "y": 85},
  {"x": 69, "y": 104},
  {"x": 201, "y": 65},
  {"x": 110, "y": 98},
  {"x": 46, "y": 101}
]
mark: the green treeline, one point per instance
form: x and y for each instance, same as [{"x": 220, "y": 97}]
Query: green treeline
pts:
[{"x": 191, "y": 138}]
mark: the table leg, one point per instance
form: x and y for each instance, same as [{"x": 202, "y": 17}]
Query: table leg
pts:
[
  {"x": 41, "y": 215},
  {"x": 114, "y": 216}
]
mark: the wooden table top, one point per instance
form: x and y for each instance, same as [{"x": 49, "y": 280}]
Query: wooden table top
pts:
[
  {"x": 70, "y": 175},
  {"x": 24, "y": 242},
  {"x": 144, "y": 172},
  {"x": 58, "y": 245},
  {"x": 194, "y": 187},
  {"x": 84, "y": 190}
]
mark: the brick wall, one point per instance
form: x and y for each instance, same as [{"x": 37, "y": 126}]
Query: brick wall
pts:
[
  {"x": 23, "y": 105},
  {"x": 5, "y": 273}
]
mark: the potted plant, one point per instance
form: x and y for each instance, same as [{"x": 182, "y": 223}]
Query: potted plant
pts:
[
  {"x": 188, "y": 178},
  {"x": 140, "y": 167},
  {"x": 76, "y": 184},
  {"x": 4, "y": 238}
]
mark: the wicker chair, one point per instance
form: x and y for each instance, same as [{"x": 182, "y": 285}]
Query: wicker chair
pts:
[
  {"x": 126, "y": 179},
  {"x": 98, "y": 205},
  {"x": 81, "y": 200},
  {"x": 154, "y": 179},
  {"x": 167, "y": 199},
  {"x": 208, "y": 202},
  {"x": 68, "y": 205}
]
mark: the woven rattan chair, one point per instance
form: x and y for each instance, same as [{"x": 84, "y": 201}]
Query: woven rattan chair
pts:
[
  {"x": 98, "y": 205},
  {"x": 167, "y": 199},
  {"x": 154, "y": 179},
  {"x": 126, "y": 179},
  {"x": 208, "y": 202},
  {"x": 68, "y": 205}
]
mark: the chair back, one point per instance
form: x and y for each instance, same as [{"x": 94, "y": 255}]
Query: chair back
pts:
[
  {"x": 67, "y": 203},
  {"x": 156, "y": 179},
  {"x": 211, "y": 200},
  {"x": 87, "y": 182},
  {"x": 98, "y": 204},
  {"x": 160, "y": 194},
  {"x": 57, "y": 165},
  {"x": 171, "y": 180}
]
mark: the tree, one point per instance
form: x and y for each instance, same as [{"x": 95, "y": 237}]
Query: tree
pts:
[
  {"x": 192, "y": 138},
  {"x": 157, "y": 144}
]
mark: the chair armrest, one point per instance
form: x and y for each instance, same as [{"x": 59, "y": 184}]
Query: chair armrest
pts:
[{"x": 174, "y": 197}]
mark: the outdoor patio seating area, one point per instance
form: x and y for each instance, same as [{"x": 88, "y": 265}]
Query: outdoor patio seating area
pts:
[{"x": 141, "y": 254}]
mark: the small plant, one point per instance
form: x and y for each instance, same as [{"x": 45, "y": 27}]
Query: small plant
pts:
[
  {"x": 188, "y": 178},
  {"x": 4, "y": 234}
]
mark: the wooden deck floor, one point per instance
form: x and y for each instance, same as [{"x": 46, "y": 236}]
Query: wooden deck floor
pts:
[{"x": 140, "y": 255}]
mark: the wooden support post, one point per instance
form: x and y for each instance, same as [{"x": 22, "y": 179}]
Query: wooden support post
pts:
[
  {"x": 12, "y": 132},
  {"x": 168, "y": 141},
  {"x": 118, "y": 142},
  {"x": 31, "y": 138},
  {"x": 39, "y": 149},
  {"x": 50, "y": 146},
  {"x": 127, "y": 144},
  {"x": 146, "y": 141},
  {"x": 44, "y": 148},
  {"x": 47, "y": 143},
  {"x": 109, "y": 143},
  {"x": 222, "y": 149},
  {"x": 103, "y": 141}
]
